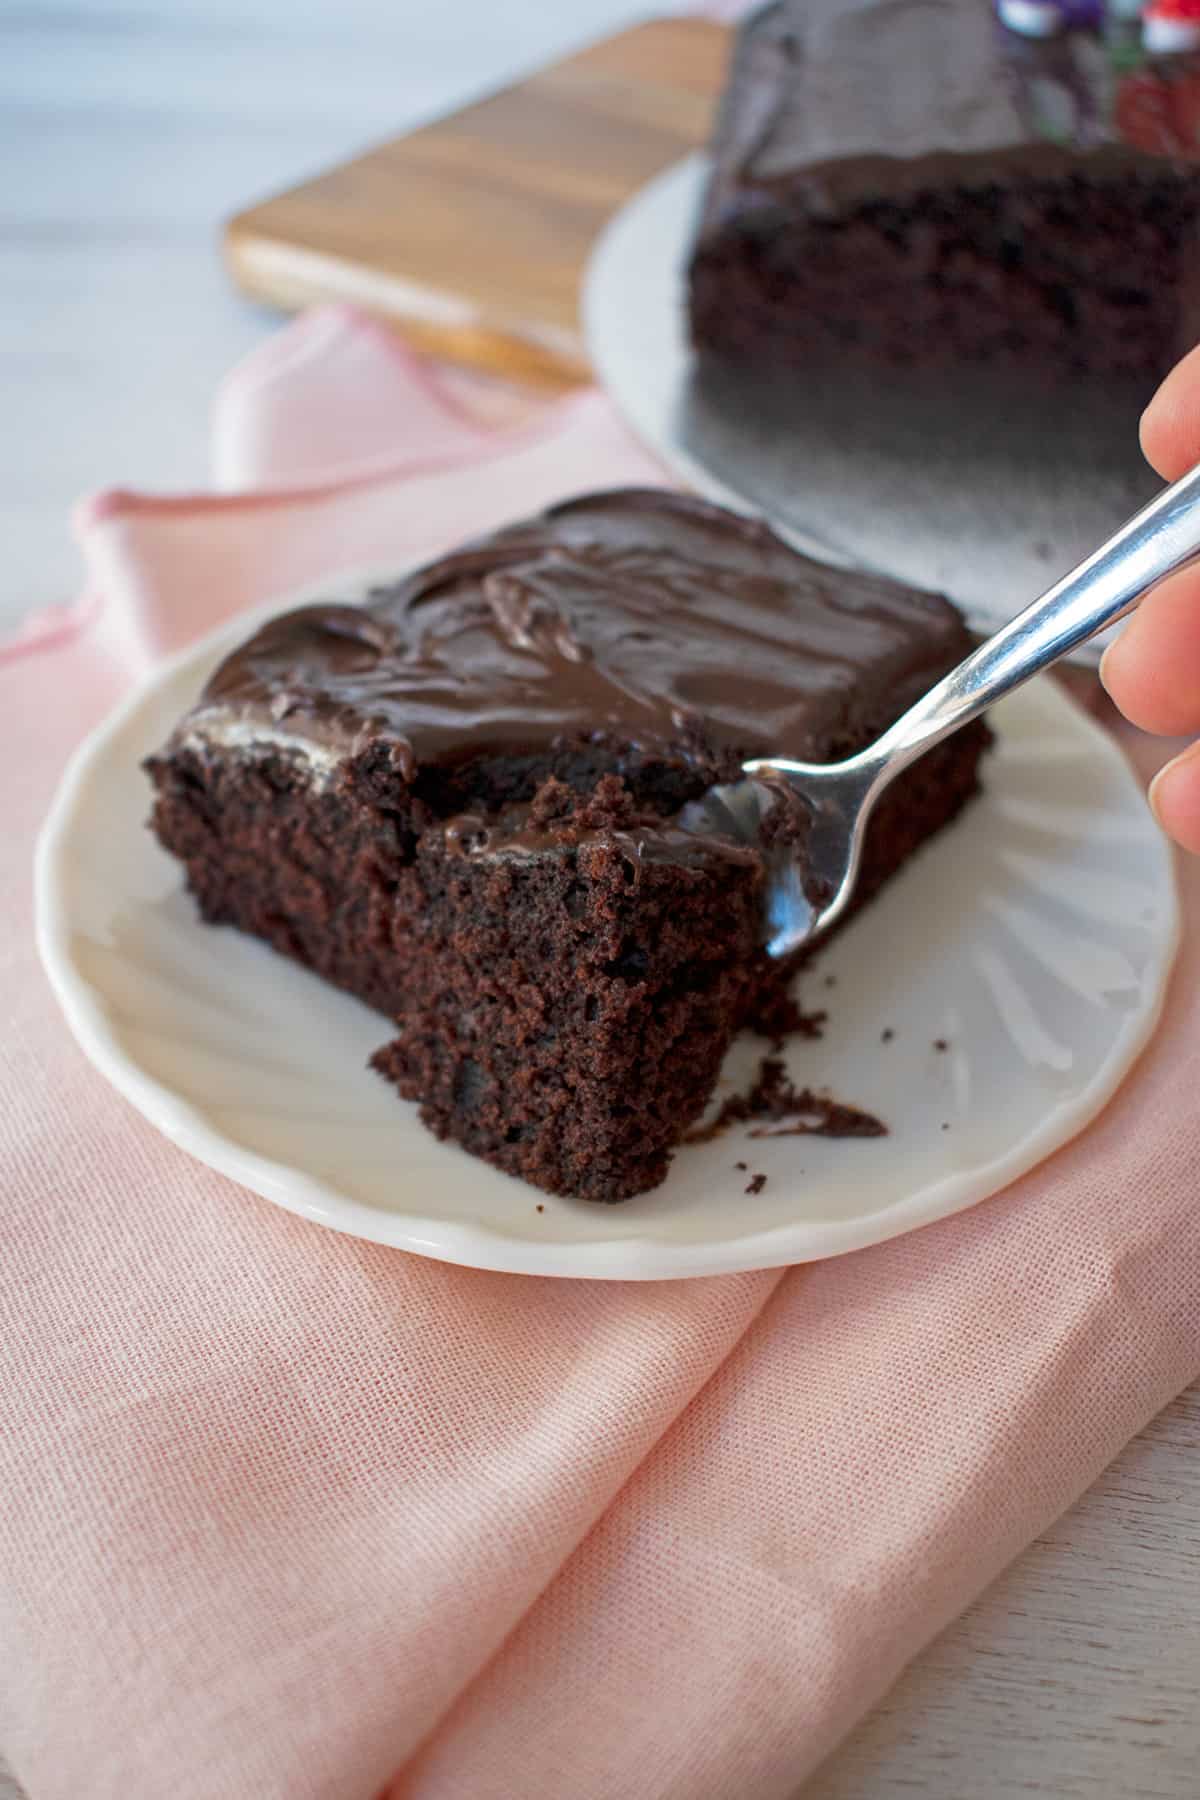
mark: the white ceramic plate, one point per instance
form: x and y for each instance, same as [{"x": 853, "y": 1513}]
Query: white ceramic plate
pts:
[
  {"x": 980, "y": 485},
  {"x": 1035, "y": 937}
]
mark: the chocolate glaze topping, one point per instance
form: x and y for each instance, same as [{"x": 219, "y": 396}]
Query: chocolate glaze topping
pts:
[
  {"x": 633, "y": 617},
  {"x": 850, "y": 100}
]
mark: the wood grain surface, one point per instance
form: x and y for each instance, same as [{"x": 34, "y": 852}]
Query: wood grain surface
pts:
[{"x": 473, "y": 232}]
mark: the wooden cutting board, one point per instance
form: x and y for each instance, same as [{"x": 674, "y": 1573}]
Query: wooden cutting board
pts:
[{"x": 473, "y": 232}]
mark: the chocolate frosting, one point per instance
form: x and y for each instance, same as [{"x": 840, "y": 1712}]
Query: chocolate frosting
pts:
[
  {"x": 632, "y": 618},
  {"x": 840, "y": 101}
]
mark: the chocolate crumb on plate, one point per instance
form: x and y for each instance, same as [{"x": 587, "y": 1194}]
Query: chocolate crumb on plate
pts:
[
  {"x": 756, "y": 1184},
  {"x": 778, "y": 1017},
  {"x": 798, "y": 1111},
  {"x": 816, "y": 1115}
]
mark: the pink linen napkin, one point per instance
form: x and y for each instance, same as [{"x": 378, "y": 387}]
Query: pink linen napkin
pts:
[{"x": 290, "y": 1515}]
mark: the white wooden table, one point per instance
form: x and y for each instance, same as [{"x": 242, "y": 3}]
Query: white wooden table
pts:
[{"x": 128, "y": 129}]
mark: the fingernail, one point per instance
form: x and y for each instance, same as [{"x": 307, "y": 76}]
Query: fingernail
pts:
[
  {"x": 1100, "y": 670},
  {"x": 1187, "y": 766}
]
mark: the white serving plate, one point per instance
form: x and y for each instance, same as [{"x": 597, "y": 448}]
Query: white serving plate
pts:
[{"x": 1035, "y": 937}]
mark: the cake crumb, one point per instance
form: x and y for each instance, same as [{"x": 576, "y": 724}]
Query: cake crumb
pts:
[
  {"x": 552, "y": 802},
  {"x": 609, "y": 807},
  {"x": 831, "y": 981},
  {"x": 941, "y": 1044},
  {"x": 799, "y": 1111},
  {"x": 779, "y": 1017},
  {"x": 540, "y": 1207},
  {"x": 886, "y": 1035},
  {"x": 756, "y": 1184},
  {"x": 742, "y": 1166},
  {"x": 567, "y": 816},
  {"x": 945, "y": 1124}
]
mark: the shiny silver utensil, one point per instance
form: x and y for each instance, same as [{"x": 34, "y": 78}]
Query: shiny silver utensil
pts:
[{"x": 806, "y": 894}]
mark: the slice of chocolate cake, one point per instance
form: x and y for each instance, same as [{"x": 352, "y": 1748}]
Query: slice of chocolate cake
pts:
[
  {"x": 460, "y": 802},
  {"x": 912, "y": 181}
]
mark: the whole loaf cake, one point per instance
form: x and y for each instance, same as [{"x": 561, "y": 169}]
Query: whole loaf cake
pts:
[{"x": 913, "y": 181}]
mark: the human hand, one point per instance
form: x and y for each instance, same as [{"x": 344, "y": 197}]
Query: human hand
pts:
[{"x": 1152, "y": 671}]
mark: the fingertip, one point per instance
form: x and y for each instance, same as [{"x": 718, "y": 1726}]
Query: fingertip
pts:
[
  {"x": 1129, "y": 678},
  {"x": 1169, "y": 429},
  {"x": 1151, "y": 672},
  {"x": 1174, "y": 797}
]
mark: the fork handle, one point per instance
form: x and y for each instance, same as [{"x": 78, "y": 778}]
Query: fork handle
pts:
[{"x": 1163, "y": 537}]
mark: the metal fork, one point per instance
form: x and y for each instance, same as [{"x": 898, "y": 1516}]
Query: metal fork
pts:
[{"x": 807, "y": 893}]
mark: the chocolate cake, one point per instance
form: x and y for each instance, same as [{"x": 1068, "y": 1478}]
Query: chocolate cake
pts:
[
  {"x": 912, "y": 181},
  {"x": 461, "y": 803}
]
